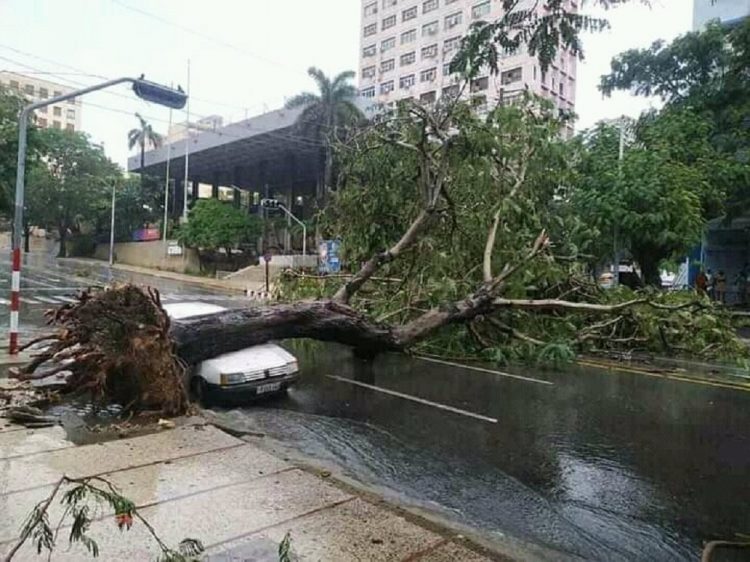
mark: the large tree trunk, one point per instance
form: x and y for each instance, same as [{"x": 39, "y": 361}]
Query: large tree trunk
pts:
[
  {"x": 26, "y": 236},
  {"x": 143, "y": 164},
  {"x": 204, "y": 337}
]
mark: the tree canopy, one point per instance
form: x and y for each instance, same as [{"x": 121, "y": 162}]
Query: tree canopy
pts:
[
  {"x": 214, "y": 225},
  {"x": 70, "y": 185},
  {"x": 704, "y": 72}
]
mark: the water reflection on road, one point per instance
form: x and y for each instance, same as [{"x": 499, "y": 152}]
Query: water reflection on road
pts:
[{"x": 598, "y": 465}]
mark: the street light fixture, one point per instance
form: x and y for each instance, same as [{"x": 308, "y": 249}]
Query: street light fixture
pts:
[
  {"x": 144, "y": 89},
  {"x": 276, "y": 204}
]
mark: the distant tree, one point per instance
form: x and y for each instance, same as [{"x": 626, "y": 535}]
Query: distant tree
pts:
[
  {"x": 659, "y": 197},
  {"x": 326, "y": 113},
  {"x": 71, "y": 185},
  {"x": 705, "y": 72},
  {"x": 143, "y": 135},
  {"x": 215, "y": 225}
]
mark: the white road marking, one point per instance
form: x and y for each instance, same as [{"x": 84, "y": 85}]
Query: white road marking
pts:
[
  {"x": 483, "y": 370},
  {"x": 29, "y": 279},
  {"x": 28, "y": 301},
  {"x": 6, "y": 302},
  {"x": 416, "y": 399},
  {"x": 65, "y": 299}
]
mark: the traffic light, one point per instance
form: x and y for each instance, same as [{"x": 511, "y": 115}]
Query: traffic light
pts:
[
  {"x": 270, "y": 203},
  {"x": 153, "y": 92}
]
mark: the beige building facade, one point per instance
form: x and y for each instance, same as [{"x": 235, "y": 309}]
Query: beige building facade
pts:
[
  {"x": 65, "y": 115},
  {"x": 407, "y": 45}
]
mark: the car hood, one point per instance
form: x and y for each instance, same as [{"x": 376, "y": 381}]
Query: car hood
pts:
[{"x": 254, "y": 358}]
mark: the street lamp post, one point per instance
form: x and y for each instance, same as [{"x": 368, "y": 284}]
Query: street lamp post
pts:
[
  {"x": 144, "y": 89},
  {"x": 276, "y": 204}
]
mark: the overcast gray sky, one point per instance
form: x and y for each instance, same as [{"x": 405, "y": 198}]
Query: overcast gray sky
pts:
[{"x": 246, "y": 56}]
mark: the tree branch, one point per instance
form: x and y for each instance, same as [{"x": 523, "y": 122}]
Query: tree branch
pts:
[
  {"x": 490, "y": 246},
  {"x": 346, "y": 291}
]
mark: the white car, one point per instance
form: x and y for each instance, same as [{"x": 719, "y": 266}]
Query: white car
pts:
[{"x": 255, "y": 371}]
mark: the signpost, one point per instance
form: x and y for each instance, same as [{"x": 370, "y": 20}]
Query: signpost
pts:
[{"x": 267, "y": 258}]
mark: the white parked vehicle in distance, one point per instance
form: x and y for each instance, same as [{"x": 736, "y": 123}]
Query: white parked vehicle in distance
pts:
[{"x": 259, "y": 370}]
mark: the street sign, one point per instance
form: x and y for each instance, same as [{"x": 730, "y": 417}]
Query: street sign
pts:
[
  {"x": 174, "y": 250},
  {"x": 267, "y": 256}
]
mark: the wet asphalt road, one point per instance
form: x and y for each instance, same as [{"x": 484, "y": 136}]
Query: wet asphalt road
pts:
[{"x": 591, "y": 464}]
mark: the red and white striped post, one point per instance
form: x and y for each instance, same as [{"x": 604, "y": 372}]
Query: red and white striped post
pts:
[{"x": 15, "y": 299}]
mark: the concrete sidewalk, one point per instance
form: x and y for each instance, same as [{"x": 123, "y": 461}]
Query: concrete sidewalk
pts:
[{"x": 197, "y": 481}]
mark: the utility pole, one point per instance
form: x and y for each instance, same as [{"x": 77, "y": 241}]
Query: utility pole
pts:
[
  {"x": 166, "y": 189},
  {"x": 112, "y": 228},
  {"x": 187, "y": 149},
  {"x": 616, "y": 243}
]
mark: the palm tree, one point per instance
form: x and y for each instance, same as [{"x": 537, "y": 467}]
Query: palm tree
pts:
[
  {"x": 142, "y": 136},
  {"x": 326, "y": 113}
]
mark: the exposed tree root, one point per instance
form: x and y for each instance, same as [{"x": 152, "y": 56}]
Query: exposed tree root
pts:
[{"x": 115, "y": 343}]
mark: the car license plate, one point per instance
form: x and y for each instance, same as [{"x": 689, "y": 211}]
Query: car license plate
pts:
[{"x": 265, "y": 388}]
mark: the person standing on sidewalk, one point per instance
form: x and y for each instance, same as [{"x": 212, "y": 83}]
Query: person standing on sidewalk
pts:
[{"x": 720, "y": 287}]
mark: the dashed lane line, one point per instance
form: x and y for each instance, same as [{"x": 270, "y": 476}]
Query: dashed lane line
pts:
[
  {"x": 416, "y": 399},
  {"x": 483, "y": 370}
]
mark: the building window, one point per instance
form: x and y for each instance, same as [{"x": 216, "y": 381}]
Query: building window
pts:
[
  {"x": 480, "y": 10},
  {"x": 511, "y": 76},
  {"x": 447, "y": 2},
  {"x": 14, "y": 85},
  {"x": 409, "y": 36},
  {"x": 56, "y": 125},
  {"x": 368, "y": 72},
  {"x": 534, "y": 72},
  {"x": 430, "y": 5},
  {"x": 57, "y": 112},
  {"x": 368, "y": 92},
  {"x": 406, "y": 82},
  {"x": 480, "y": 84},
  {"x": 389, "y": 22},
  {"x": 386, "y": 87},
  {"x": 388, "y": 44},
  {"x": 369, "y": 51},
  {"x": 70, "y": 127},
  {"x": 70, "y": 114},
  {"x": 430, "y": 52},
  {"x": 42, "y": 122},
  {"x": 371, "y": 9},
  {"x": 29, "y": 89},
  {"x": 447, "y": 69},
  {"x": 562, "y": 89},
  {"x": 57, "y": 93},
  {"x": 452, "y": 44},
  {"x": 408, "y": 58},
  {"x": 43, "y": 93},
  {"x": 451, "y": 91},
  {"x": 389, "y": 3},
  {"x": 430, "y": 29},
  {"x": 371, "y": 29},
  {"x": 453, "y": 20},
  {"x": 409, "y": 14},
  {"x": 428, "y": 97},
  {"x": 387, "y": 65},
  {"x": 428, "y": 75}
]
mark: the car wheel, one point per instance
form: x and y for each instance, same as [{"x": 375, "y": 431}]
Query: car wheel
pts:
[{"x": 200, "y": 391}]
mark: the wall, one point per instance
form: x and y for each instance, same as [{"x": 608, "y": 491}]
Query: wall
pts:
[
  {"x": 727, "y": 11},
  {"x": 150, "y": 254}
]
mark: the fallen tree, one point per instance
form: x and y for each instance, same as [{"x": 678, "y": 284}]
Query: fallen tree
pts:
[{"x": 462, "y": 220}]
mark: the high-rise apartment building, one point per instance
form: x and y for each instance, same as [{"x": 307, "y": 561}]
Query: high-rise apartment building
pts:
[
  {"x": 65, "y": 115},
  {"x": 407, "y": 45},
  {"x": 727, "y": 12}
]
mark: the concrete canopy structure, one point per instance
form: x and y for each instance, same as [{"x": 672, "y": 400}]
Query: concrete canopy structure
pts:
[{"x": 264, "y": 156}]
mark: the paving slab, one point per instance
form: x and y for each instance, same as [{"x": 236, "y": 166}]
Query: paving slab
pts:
[
  {"x": 215, "y": 515},
  {"x": 155, "y": 483},
  {"x": 46, "y": 468},
  {"x": 357, "y": 530},
  {"x": 451, "y": 552},
  {"x": 19, "y": 442}
]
